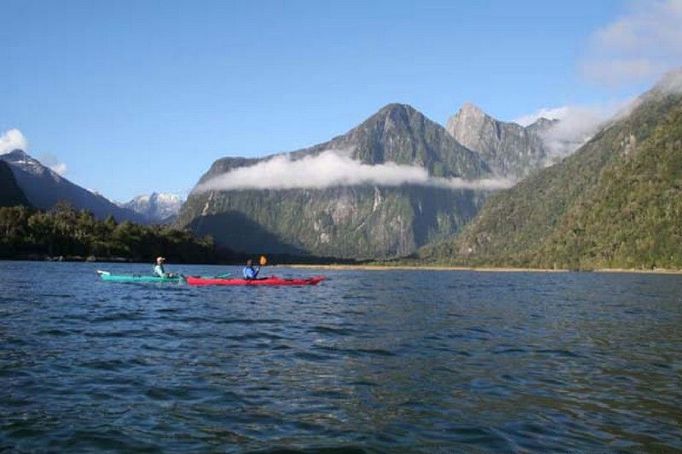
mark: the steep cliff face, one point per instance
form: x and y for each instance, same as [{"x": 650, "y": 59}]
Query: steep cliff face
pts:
[
  {"x": 361, "y": 221},
  {"x": 508, "y": 148},
  {"x": 345, "y": 222}
]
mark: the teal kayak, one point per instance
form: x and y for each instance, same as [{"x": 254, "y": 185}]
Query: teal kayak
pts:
[{"x": 107, "y": 276}]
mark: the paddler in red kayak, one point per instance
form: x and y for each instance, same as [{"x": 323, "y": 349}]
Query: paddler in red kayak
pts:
[{"x": 251, "y": 272}]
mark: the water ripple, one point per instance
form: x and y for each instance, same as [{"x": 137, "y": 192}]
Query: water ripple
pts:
[{"x": 443, "y": 362}]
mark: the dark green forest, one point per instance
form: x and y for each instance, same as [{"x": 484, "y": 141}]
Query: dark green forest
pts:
[{"x": 26, "y": 233}]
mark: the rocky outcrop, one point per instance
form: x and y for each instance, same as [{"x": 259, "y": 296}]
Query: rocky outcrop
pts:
[{"x": 509, "y": 149}]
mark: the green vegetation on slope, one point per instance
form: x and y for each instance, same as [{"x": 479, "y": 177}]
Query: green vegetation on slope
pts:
[
  {"x": 633, "y": 217},
  {"x": 63, "y": 231},
  {"x": 615, "y": 203}
]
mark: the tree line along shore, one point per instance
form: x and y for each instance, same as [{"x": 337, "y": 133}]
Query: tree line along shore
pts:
[{"x": 64, "y": 233}]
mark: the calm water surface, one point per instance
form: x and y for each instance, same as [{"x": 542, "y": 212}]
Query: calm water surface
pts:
[{"x": 372, "y": 361}]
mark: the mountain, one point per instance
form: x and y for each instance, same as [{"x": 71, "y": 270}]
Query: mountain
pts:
[
  {"x": 10, "y": 193},
  {"x": 356, "y": 221},
  {"x": 397, "y": 133},
  {"x": 44, "y": 188},
  {"x": 616, "y": 202},
  {"x": 156, "y": 207},
  {"x": 510, "y": 150}
]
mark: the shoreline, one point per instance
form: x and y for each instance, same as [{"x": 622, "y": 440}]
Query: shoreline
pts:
[
  {"x": 362, "y": 267},
  {"x": 479, "y": 269}
]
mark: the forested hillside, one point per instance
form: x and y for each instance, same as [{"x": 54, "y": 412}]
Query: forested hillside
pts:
[{"x": 617, "y": 202}]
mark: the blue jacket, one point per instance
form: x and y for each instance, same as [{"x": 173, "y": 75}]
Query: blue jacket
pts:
[{"x": 250, "y": 272}]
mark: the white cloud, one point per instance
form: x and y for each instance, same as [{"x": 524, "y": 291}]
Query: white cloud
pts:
[
  {"x": 59, "y": 168},
  {"x": 576, "y": 125},
  {"x": 671, "y": 82},
  {"x": 51, "y": 161},
  {"x": 334, "y": 168},
  {"x": 638, "y": 47},
  {"x": 12, "y": 140},
  {"x": 643, "y": 45}
]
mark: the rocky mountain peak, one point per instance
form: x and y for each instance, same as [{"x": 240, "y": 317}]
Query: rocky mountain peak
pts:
[
  {"x": 16, "y": 156},
  {"x": 542, "y": 123},
  {"x": 396, "y": 108},
  {"x": 509, "y": 149},
  {"x": 468, "y": 123},
  {"x": 22, "y": 160},
  {"x": 354, "y": 220},
  {"x": 394, "y": 114},
  {"x": 400, "y": 133},
  {"x": 470, "y": 110}
]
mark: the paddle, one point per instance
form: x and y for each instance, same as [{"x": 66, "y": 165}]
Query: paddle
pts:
[
  {"x": 262, "y": 261},
  {"x": 223, "y": 275}
]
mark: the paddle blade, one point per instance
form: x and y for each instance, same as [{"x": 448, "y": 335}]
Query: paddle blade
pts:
[{"x": 263, "y": 260}]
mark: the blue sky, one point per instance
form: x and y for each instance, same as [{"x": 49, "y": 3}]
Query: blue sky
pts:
[{"x": 137, "y": 96}]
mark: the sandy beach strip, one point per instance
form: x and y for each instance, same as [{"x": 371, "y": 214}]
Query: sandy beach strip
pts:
[{"x": 478, "y": 269}]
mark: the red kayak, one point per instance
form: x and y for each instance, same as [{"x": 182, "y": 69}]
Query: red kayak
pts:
[{"x": 270, "y": 280}]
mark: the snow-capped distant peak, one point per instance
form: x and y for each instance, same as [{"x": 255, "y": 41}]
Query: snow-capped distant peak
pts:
[
  {"x": 167, "y": 197},
  {"x": 141, "y": 199},
  {"x": 157, "y": 206}
]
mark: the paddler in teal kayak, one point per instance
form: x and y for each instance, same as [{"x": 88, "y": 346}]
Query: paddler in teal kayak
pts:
[{"x": 158, "y": 269}]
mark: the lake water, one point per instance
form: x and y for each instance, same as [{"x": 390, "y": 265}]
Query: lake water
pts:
[{"x": 374, "y": 361}]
